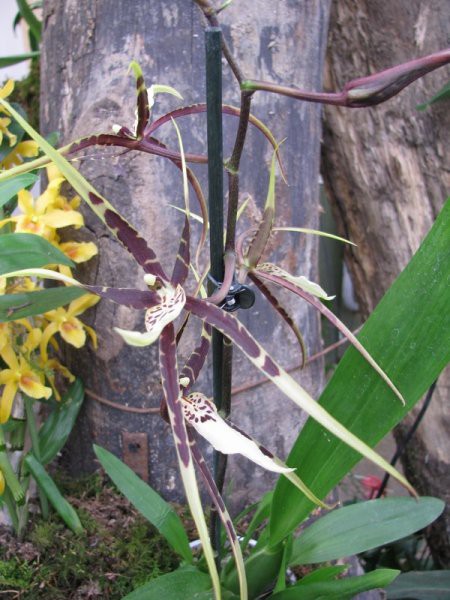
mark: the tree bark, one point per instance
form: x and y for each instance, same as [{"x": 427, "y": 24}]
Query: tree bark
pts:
[
  {"x": 87, "y": 48},
  {"x": 387, "y": 173}
]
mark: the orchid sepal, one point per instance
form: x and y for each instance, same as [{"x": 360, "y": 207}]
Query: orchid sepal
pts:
[{"x": 299, "y": 281}]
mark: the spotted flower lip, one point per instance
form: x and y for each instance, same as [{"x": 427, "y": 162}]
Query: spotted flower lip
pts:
[
  {"x": 202, "y": 415},
  {"x": 172, "y": 301}
]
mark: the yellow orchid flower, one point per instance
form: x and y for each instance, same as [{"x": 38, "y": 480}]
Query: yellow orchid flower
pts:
[
  {"x": 4, "y": 123},
  {"x": 5, "y": 335},
  {"x": 65, "y": 322},
  {"x": 18, "y": 285},
  {"x": 6, "y": 90},
  {"x": 52, "y": 197},
  {"x": 19, "y": 376},
  {"x": 26, "y": 149},
  {"x": 11, "y": 330},
  {"x": 51, "y": 367},
  {"x": 40, "y": 218},
  {"x": 2, "y": 483},
  {"x": 79, "y": 252}
]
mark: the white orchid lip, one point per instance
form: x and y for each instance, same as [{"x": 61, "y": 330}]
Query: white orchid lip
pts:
[
  {"x": 172, "y": 301},
  {"x": 201, "y": 414}
]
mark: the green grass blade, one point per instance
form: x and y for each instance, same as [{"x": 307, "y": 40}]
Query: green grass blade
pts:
[
  {"x": 13, "y": 59},
  {"x": 28, "y": 15},
  {"x": 148, "y": 502},
  {"x": 57, "y": 500},
  {"x": 409, "y": 332},
  {"x": 57, "y": 426}
]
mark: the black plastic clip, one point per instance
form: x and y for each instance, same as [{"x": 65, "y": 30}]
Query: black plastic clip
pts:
[{"x": 239, "y": 296}]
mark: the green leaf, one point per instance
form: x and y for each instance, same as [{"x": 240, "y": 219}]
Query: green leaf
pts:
[
  {"x": 57, "y": 426},
  {"x": 261, "y": 567},
  {"x": 442, "y": 94},
  {"x": 9, "y": 188},
  {"x": 28, "y": 304},
  {"x": 323, "y": 574},
  {"x": 7, "y": 61},
  {"x": 33, "y": 23},
  {"x": 409, "y": 332},
  {"x": 186, "y": 582},
  {"x": 48, "y": 486},
  {"x": 26, "y": 250},
  {"x": 147, "y": 502},
  {"x": 339, "y": 589},
  {"x": 420, "y": 585},
  {"x": 363, "y": 526}
]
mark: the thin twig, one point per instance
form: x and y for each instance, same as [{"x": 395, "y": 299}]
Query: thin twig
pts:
[
  {"x": 122, "y": 407},
  {"x": 210, "y": 15},
  {"x": 402, "y": 447}
]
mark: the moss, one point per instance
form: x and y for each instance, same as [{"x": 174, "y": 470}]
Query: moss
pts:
[
  {"x": 26, "y": 93},
  {"x": 117, "y": 552}
]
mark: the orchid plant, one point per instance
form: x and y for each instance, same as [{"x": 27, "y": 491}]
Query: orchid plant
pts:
[
  {"x": 166, "y": 297},
  {"x": 28, "y": 372}
]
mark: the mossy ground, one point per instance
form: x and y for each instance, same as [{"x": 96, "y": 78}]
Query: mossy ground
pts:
[{"x": 118, "y": 551}]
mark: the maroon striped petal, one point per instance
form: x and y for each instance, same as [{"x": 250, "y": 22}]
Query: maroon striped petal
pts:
[
  {"x": 129, "y": 237},
  {"x": 181, "y": 267},
  {"x": 223, "y": 513},
  {"x": 274, "y": 301},
  {"x": 334, "y": 320},
  {"x": 196, "y": 360},
  {"x": 148, "y": 145},
  {"x": 227, "y": 110},
  {"x": 142, "y": 103}
]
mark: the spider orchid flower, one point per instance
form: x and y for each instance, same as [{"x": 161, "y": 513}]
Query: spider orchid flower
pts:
[{"x": 163, "y": 302}]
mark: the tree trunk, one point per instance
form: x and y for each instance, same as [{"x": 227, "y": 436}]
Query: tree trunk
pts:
[
  {"x": 87, "y": 48},
  {"x": 387, "y": 172}
]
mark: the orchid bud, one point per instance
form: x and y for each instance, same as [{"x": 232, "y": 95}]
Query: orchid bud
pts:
[{"x": 371, "y": 90}]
